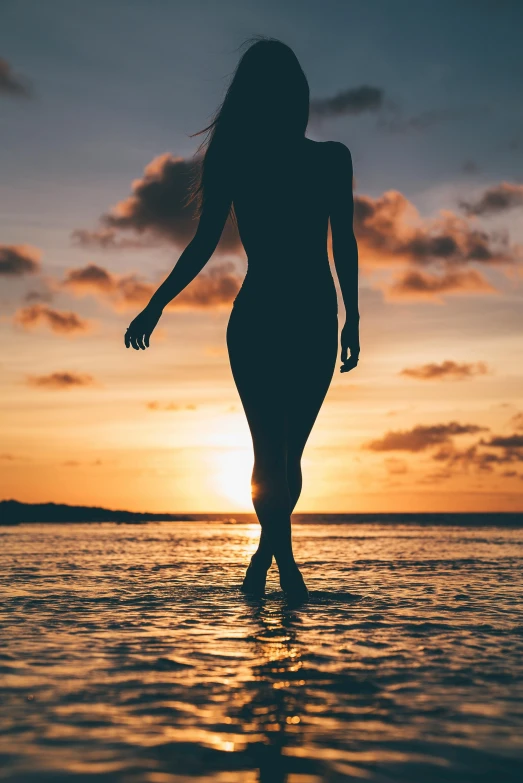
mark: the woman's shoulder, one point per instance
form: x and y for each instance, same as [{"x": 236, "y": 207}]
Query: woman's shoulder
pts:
[
  {"x": 335, "y": 152},
  {"x": 337, "y": 149}
]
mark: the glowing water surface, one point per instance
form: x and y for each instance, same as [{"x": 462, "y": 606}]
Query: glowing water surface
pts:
[{"x": 128, "y": 654}]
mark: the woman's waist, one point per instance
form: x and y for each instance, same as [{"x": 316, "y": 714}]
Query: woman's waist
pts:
[
  {"x": 284, "y": 279},
  {"x": 284, "y": 294}
]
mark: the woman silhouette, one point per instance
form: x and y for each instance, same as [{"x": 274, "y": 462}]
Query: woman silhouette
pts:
[{"x": 281, "y": 189}]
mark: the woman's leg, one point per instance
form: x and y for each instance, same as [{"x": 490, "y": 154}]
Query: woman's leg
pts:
[
  {"x": 258, "y": 363},
  {"x": 258, "y": 383},
  {"x": 306, "y": 396}
]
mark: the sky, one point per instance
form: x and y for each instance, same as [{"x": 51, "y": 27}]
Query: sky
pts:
[{"x": 97, "y": 104}]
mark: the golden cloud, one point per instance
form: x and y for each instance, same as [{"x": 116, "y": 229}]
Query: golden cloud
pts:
[{"x": 66, "y": 323}]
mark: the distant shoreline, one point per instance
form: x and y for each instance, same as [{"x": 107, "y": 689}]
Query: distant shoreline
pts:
[{"x": 13, "y": 512}]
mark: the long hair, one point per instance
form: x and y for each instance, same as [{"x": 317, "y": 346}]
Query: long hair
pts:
[{"x": 267, "y": 101}]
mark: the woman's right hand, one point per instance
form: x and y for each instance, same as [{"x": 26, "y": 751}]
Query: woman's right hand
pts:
[
  {"x": 350, "y": 341},
  {"x": 139, "y": 331}
]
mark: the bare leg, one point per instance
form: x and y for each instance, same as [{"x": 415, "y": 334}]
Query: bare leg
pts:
[
  {"x": 271, "y": 498},
  {"x": 281, "y": 402},
  {"x": 259, "y": 369},
  {"x": 263, "y": 555},
  {"x": 306, "y": 401},
  {"x": 275, "y": 492}
]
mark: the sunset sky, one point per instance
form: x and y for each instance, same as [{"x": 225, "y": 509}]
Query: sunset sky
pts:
[{"x": 97, "y": 101}]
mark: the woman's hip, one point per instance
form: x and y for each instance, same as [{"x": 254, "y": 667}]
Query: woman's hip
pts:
[{"x": 281, "y": 337}]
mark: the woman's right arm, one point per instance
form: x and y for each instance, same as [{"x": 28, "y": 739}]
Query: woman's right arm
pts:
[
  {"x": 215, "y": 211},
  {"x": 345, "y": 250}
]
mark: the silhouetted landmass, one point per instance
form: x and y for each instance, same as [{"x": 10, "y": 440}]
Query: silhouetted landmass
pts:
[{"x": 13, "y": 513}]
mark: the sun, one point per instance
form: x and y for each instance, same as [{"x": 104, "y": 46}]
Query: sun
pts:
[{"x": 233, "y": 476}]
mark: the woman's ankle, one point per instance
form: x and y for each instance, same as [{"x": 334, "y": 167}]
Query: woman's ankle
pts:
[
  {"x": 287, "y": 565},
  {"x": 261, "y": 560}
]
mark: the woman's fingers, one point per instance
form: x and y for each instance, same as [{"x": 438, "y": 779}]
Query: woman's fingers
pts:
[
  {"x": 350, "y": 363},
  {"x": 138, "y": 338},
  {"x": 139, "y": 341}
]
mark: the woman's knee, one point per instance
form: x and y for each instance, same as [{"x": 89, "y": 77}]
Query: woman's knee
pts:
[
  {"x": 269, "y": 481},
  {"x": 270, "y": 476},
  {"x": 270, "y": 462}
]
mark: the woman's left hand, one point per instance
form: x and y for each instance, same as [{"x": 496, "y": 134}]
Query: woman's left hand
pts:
[
  {"x": 350, "y": 342},
  {"x": 139, "y": 331}
]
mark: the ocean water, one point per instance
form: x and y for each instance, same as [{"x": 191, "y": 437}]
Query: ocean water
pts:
[{"x": 127, "y": 653}]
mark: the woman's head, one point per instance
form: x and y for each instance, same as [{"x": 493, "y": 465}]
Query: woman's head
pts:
[
  {"x": 268, "y": 94},
  {"x": 266, "y": 104}
]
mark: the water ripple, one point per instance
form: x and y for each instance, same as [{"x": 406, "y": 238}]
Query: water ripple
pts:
[{"x": 129, "y": 654}]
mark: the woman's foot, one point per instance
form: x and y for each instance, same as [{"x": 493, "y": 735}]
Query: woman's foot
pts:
[
  {"x": 255, "y": 577},
  {"x": 293, "y": 585}
]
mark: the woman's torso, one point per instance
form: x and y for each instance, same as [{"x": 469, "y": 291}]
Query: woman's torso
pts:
[{"x": 282, "y": 210}]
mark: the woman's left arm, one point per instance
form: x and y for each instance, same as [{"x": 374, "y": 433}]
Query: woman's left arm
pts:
[{"x": 214, "y": 214}]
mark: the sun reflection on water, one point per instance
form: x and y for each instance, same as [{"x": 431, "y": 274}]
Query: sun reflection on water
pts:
[{"x": 276, "y": 696}]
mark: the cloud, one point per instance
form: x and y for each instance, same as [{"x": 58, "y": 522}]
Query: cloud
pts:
[
  {"x": 444, "y": 370},
  {"x": 72, "y": 463},
  {"x": 57, "y": 321},
  {"x": 130, "y": 292},
  {"x": 354, "y": 100},
  {"x": 18, "y": 260},
  {"x": 484, "y": 455},
  {"x": 170, "y": 406},
  {"x": 157, "y": 205},
  {"x": 517, "y": 421},
  {"x": 38, "y": 296},
  {"x": 396, "y": 467},
  {"x": 436, "y": 256},
  {"x": 422, "y": 285},
  {"x": 393, "y": 120},
  {"x": 505, "y": 441},
  {"x": 12, "y": 84},
  {"x": 391, "y": 117},
  {"x": 90, "y": 278},
  {"x": 108, "y": 239},
  {"x": 60, "y": 380},
  {"x": 215, "y": 288},
  {"x": 422, "y": 437},
  {"x": 391, "y": 230},
  {"x": 498, "y": 198}
]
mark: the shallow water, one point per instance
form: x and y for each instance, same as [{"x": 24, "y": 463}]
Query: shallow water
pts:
[{"x": 127, "y": 653}]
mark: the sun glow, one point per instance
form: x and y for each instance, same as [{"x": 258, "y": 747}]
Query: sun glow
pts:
[{"x": 233, "y": 477}]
